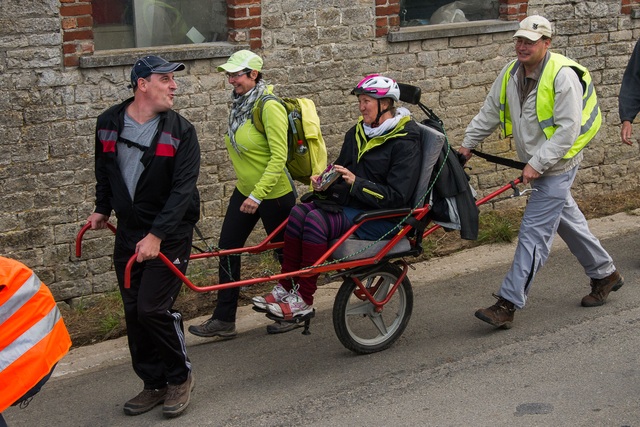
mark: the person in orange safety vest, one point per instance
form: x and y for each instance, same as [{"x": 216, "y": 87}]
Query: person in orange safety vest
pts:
[{"x": 33, "y": 337}]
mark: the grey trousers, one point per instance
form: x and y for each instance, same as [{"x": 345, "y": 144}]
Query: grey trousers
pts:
[{"x": 551, "y": 208}]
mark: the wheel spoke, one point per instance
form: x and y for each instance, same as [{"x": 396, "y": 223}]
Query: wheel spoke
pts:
[
  {"x": 382, "y": 291},
  {"x": 359, "y": 309},
  {"x": 378, "y": 322}
]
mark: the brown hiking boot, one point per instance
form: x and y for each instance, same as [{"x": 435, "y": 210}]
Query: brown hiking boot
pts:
[
  {"x": 145, "y": 401},
  {"x": 499, "y": 314},
  {"x": 600, "y": 289},
  {"x": 178, "y": 397}
]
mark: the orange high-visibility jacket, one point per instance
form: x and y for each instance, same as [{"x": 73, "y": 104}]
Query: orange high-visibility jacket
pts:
[{"x": 33, "y": 337}]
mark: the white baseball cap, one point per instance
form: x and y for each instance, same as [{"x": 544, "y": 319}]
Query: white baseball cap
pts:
[
  {"x": 533, "y": 27},
  {"x": 241, "y": 60}
]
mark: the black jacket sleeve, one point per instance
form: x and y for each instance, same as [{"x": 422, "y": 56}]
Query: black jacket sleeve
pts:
[
  {"x": 629, "y": 97},
  {"x": 103, "y": 186}
]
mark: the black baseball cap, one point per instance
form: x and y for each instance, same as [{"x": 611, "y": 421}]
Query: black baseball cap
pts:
[{"x": 151, "y": 64}]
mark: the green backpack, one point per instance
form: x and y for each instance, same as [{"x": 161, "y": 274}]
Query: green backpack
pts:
[{"x": 307, "y": 153}]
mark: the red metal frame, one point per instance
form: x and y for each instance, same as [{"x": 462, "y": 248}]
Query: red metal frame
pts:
[
  {"x": 320, "y": 266},
  {"x": 362, "y": 291},
  {"x": 81, "y": 235}
]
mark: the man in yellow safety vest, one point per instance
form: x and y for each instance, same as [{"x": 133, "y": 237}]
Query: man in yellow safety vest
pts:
[{"x": 548, "y": 104}]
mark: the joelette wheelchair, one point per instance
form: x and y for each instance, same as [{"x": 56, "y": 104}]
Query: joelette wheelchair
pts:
[{"x": 374, "y": 303}]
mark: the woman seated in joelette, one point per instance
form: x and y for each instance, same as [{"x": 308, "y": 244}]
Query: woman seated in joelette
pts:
[{"x": 379, "y": 164}]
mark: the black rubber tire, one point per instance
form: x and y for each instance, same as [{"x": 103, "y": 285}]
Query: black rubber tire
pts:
[{"x": 358, "y": 327}]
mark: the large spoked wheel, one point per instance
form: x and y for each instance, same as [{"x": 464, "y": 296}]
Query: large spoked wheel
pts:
[{"x": 359, "y": 324}]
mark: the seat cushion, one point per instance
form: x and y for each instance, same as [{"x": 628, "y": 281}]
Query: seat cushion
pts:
[{"x": 354, "y": 248}]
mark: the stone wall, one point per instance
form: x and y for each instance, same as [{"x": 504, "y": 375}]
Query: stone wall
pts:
[{"x": 313, "y": 48}]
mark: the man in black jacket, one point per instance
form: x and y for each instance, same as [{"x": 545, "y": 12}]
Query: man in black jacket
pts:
[{"x": 147, "y": 160}]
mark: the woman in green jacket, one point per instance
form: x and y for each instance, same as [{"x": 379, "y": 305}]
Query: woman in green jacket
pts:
[{"x": 263, "y": 190}]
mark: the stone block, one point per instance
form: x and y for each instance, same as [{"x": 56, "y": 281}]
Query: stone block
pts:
[
  {"x": 66, "y": 290},
  {"x": 104, "y": 283}
]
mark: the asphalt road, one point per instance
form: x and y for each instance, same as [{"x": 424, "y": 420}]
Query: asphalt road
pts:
[{"x": 560, "y": 365}]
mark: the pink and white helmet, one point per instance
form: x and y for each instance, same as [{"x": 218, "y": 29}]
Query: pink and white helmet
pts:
[{"x": 377, "y": 86}]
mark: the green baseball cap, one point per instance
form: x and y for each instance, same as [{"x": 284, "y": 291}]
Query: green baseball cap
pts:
[{"x": 240, "y": 60}]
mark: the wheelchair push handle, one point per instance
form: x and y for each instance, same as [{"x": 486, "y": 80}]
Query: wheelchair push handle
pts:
[
  {"x": 132, "y": 260},
  {"x": 165, "y": 260},
  {"x": 83, "y": 230}
]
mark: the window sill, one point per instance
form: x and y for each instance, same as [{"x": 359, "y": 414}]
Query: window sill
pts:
[
  {"x": 112, "y": 58},
  {"x": 426, "y": 32}
]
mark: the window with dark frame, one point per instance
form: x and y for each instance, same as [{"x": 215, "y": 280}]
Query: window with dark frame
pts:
[
  {"x": 430, "y": 12},
  {"x": 122, "y": 24}
]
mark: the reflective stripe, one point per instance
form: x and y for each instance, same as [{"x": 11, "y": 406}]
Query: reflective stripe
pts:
[
  {"x": 29, "y": 339},
  {"x": 589, "y": 123},
  {"x": 34, "y": 337},
  {"x": 547, "y": 123},
  {"x": 505, "y": 117},
  {"x": 373, "y": 193},
  {"x": 20, "y": 298},
  {"x": 590, "y": 90}
]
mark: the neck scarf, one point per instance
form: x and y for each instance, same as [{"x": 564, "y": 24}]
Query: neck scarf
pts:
[
  {"x": 387, "y": 125},
  {"x": 241, "y": 108}
]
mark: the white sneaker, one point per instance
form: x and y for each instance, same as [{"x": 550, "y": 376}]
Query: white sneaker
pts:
[
  {"x": 291, "y": 306},
  {"x": 277, "y": 294}
]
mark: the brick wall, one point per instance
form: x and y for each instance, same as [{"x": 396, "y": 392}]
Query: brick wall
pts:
[
  {"x": 315, "y": 48},
  {"x": 513, "y": 10},
  {"x": 244, "y": 22},
  {"x": 628, "y": 5},
  {"x": 77, "y": 31}
]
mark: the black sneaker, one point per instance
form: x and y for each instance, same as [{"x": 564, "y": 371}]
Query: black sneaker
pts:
[
  {"x": 178, "y": 397},
  {"x": 145, "y": 401},
  {"x": 214, "y": 328},
  {"x": 282, "y": 327}
]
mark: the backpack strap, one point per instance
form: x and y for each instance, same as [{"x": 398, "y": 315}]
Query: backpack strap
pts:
[{"x": 256, "y": 117}]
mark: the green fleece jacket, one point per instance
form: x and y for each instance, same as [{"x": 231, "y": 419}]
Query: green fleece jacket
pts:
[{"x": 260, "y": 165}]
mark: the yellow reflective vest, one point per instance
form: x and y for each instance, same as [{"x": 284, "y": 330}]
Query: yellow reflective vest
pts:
[
  {"x": 33, "y": 337},
  {"x": 545, "y": 99}
]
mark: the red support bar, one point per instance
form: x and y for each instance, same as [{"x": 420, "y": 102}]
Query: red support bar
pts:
[
  {"x": 263, "y": 246},
  {"x": 379, "y": 304},
  {"x": 511, "y": 185},
  {"x": 320, "y": 265}
]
